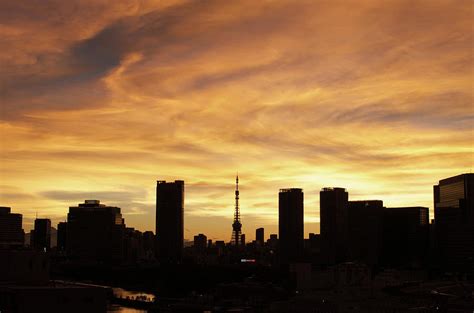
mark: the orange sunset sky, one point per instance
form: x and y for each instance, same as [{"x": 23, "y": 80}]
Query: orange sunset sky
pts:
[{"x": 99, "y": 99}]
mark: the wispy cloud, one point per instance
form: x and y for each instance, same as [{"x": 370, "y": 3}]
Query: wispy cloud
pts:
[{"x": 102, "y": 99}]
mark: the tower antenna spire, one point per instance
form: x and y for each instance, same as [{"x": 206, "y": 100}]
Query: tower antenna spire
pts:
[{"x": 236, "y": 225}]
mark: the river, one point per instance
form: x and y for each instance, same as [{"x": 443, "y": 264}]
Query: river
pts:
[
  {"x": 123, "y": 293},
  {"x": 115, "y": 308}
]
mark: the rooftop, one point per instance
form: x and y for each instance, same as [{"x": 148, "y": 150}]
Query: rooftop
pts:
[
  {"x": 291, "y": 190},
  {"x": 333, "y": 189}
]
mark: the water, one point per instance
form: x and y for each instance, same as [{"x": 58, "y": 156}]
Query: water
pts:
[
  {"x": 123, "y": 293},
  {"x": 119, "y": 293},
  {"x": 115, "y": 308}
]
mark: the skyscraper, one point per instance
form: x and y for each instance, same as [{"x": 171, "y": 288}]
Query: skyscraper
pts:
[
  {"x": 200, "y": 242},
  {"x": 149, "y": 244},
  {"x": 454, "y": 221},
  {"x": 62, "y": 236},
  {"x": 405, "y": 236},
  {"x": 290, "y": 224},
  {"x": 333, "y": 215},
  {"x": 260, "y": 236},
  {"x": 41, "y": 239},
  {"x": 95, "y": 233},
  {"x": 365, "y": 226},
  {"x": 170, "y": 220},
  {"x": 11, "y": 232}
]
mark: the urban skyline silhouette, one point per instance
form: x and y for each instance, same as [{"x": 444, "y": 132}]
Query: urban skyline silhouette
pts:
[
  {"x": 312, "y": 228},
  {"x": 123, "y": 125}
]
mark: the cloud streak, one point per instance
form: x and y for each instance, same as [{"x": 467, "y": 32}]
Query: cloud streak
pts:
[{"x": 98, "y": 97}]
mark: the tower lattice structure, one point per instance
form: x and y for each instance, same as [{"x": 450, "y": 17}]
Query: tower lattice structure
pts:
[{"x": 236, "y": 225}]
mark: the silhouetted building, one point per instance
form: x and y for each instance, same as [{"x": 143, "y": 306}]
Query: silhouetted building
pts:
[
  {"x": 200, "y": 242},
  {"x": 290, "y": 224},
  {"x": 220, "y": 247},
  {"x": 314, "y": 240},
  {"x": 365, "y": 230},
  {"x": 60, "y": 297},
  {"x": 62, "y": 236},
  {"x": 23, "y": 267},
  {"x": 405, "y": 236},
  {"x": 11, "y": 232},
  {"x": 242, "y": 240},
  {"x": 260, "y": 236},
  {"x": 272, "y": 241},
  {"x": 95, "y": 233},
  {"x": 333, "y": 215},
  {"x": 133, "y": 245},
  {"x": 25, "y": 287},
  {"x": 41, "y": 236},
  {"x": 149, "y": 244},
  {"x": 454, "y": 221},
  {"x": 169, "y": 220}
]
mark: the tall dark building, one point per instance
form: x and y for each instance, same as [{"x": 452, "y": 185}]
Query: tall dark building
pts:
[
  {"x": 365, "y": 226},
  {"x": 260, "y": 236},
  {"x": 170, "y": 220},
  {"x": 149, "y": 244},
  {"x": 200, "y": 242},
  {"x": 454, "y": 221},
  {"x": 405, "y": 236},
  {"x": 133, "y": 245},
  {"x": 95, "y": 233},
  {"x": 62, "y": 235},
  {"x": 11, "y": 232},
  {"x": 41, "y": 239},
  {"x": 334, "y": 216},
  {"x": 290, "y": 224}
]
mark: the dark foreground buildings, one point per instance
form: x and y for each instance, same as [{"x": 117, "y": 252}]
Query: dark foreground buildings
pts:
[
  {"x": 25, "y": 286},
  {"x": 11, "y": 231},
  {"x": 405, "y": 236},
  {"x": 62, "y": 236},
  {"x": 454, "y": 222},
  {"x": 333, "y": 214},
  {"x": 169, "y": 220},
  {"x": 95, "y": 233},
  {"x": 365, "y": 230},
  {"x": 290, "y": 224},
  {"x": 41, "y": 235},
  {"x": 260, "y": 236}
]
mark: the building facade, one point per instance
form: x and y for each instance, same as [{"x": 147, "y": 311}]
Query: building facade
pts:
[
  {"x": 95, "y": 233},
  {"x": 11, "y": 231},
  {"x": 334, "y": 222},
  {"x": 41, "y": 235},
  {"x": 290, "y": 225},
  {"x": 454, "y": 222},
  {"x": 170, "y": 220},
  {"x": 365, "y": 230},
  {"x": 260, "y": 236},
  {"x": 405, "y": 236},
  {"x": 200, "y": 243},
  {"x": 62, "y": 236}
]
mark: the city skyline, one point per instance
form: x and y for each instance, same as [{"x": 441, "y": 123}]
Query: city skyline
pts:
[
  {"x": 253, "y": 226},
  {"x": 100, "y": 101}
]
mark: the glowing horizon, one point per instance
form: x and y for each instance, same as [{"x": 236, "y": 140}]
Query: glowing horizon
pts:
[{"x": 100, "y": 100}]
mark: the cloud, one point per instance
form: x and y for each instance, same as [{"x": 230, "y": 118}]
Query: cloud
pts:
[
  {"x": 102, "y": 99},
  {"x": 74, "y": 195}
]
